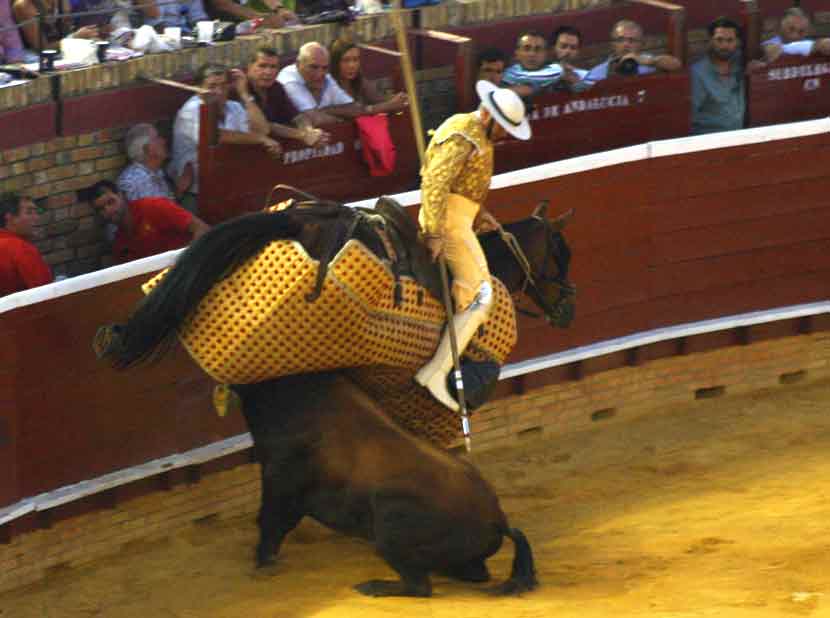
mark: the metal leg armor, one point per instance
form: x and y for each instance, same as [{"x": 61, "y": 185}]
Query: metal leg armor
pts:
[{"x": 433, "y": 375}]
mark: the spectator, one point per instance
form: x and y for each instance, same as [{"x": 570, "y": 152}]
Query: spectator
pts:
[
  {"x": 718, "y": 95},
  {"x": 566, "y": 43},
  {"x": 182, "y": 14},
  {"x": 491, "y": 64},
  {"x": 21, "y": 265},
  {"x": 792, "y": 38},
  {"x": 146, "y": 226},
  {"x": 234, "y": 124},
  {"x": 627, "y": 57},
  {"x": 144, "y": 176},
  {"x": 274, "y": 103},
  {"x": 54, "y": 28},
  {"x": 531, "y": 73},
  {"x": 311, "y": 89},
  {"x": 345, "y": 69},
  {"x": 113, "y": 14},
  {"x": 11, "y": 47},
  {"x": 273, "y": 12}
]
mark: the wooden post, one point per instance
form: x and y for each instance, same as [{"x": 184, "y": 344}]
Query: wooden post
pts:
[
  {"x": 751, "y": 18},
  {"x": 409, "y": 81}
]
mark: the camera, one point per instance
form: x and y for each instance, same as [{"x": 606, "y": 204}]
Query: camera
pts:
[{"x": 628, "y": 66}]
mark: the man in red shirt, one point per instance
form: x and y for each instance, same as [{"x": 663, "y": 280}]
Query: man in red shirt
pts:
[
  {"x": 21, "y": 265},
  {"x": 146, "y": 226}
]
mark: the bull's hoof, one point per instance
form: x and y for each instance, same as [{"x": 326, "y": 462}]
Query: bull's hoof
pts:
[{"x": 383, "y": 588}]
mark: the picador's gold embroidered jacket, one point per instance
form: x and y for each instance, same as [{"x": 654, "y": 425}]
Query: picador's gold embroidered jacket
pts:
[{"x": 459, "y": 160}]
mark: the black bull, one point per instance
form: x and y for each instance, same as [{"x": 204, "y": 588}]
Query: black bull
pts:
[{"x": 328, "y": 451}]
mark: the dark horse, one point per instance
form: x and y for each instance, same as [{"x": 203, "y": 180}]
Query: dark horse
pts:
[
  {"x": 326, "y": 447},
  {"x": 327, "y": 450}
]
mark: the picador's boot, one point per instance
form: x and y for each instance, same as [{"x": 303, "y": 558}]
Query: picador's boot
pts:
[{"x": 433, "y": 375}]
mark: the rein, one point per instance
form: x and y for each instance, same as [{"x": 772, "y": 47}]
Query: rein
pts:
[{"x": 518, "y": 253}]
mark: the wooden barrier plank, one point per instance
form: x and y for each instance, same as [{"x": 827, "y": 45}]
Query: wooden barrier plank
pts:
[
  {"x": 761, "y": 264},
  {"x": 790, "y": 198},
  {"x": 742, "y": 237},
  {"x": 120, "y": 108}
]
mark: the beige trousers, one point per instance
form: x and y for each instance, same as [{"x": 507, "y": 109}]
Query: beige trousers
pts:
[{"x": 463, "y": 252}]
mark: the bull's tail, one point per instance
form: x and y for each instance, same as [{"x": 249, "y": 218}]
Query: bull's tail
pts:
[
  {"x": 523, "y": 574},
  {"x": 154, "y": 322}
]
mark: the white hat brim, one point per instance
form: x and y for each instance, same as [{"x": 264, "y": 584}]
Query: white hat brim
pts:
[{"x": 521, "y": 131}]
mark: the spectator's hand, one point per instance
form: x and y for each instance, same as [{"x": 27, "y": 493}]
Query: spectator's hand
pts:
[
  {"x": 185, "y": 179},
  {"x": 435, "y": 246},
  {"x": 278, "y": 19},
  {"x": 239, "y": 81},
  {"x": 315, "y": 137},
  {"x": 272, "y": 147},
  {"x": 86, "y": 32},
  {"x": 773, "y": 52},
  {"x": 398, "y": 102},
  {"x": 523, "y": 90},
  {"x": 569, "y": 76}
]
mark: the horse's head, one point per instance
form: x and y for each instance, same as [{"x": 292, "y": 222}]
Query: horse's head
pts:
[{"x": 537, "y": 263}]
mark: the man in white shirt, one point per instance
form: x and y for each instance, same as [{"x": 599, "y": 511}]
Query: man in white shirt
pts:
[
  {"x": 235, "y": 123},
  {"x": 313, "y": 91},
  {"x": 627, "y": 57},
  {"x": 792, "y": 38}
]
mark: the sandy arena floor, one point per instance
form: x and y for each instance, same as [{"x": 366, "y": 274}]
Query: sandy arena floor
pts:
[{"x": 719, "y": 508}]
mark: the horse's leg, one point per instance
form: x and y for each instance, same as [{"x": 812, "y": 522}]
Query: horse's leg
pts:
[
  {"x": 481, "y": 544},
  {"x": 279, "y": 514},
  {"x": 401, "y": 524}
]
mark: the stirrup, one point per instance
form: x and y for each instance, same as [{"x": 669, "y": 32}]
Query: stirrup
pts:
[{"x": 437, "y": 386}]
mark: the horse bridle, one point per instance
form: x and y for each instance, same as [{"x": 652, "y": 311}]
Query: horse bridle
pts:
[{"x": 549, "y": 311}]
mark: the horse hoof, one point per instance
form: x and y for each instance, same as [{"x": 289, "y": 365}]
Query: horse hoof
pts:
[{"x": 102, "y": 341}]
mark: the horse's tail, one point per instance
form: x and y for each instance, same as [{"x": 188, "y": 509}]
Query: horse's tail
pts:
[
  {"x": 523, "y": 574},
  {"x": 154, "y": 322}
]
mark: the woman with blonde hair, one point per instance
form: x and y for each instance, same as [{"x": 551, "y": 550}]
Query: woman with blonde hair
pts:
[{"x": 345, "y": 69}]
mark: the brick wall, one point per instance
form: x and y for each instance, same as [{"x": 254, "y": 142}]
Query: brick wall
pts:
[
  {"x": 592, "y": 403},
  {"x": 69, "y": 236}
]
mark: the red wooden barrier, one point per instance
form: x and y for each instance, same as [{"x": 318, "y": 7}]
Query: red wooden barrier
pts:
[
  {"x": 336, "y": 171},
  {"x": 792, "y": 88},
  {"x": 33, "y": 124},
  {"x": 123, "y": 107},
  {"x": 616, "y": 112}
]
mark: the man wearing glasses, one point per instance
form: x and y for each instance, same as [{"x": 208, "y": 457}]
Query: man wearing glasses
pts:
[{"x": 627, "y": 57}]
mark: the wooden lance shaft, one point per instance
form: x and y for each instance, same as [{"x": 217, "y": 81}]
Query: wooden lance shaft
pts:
[
  {"x": 458, "y": 377},
  {"x": 409, "y": 81}
]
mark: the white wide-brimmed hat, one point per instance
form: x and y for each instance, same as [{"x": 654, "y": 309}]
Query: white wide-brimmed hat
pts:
[{"x": 505, "y": 107}]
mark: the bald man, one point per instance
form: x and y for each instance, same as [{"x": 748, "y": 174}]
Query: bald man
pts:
[
  {"x": 313, "y": 91},
  {"x": 792, "y": 38}
]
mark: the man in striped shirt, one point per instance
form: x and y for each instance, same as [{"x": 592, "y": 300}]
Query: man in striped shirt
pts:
[{"x": 531, "y": 74}]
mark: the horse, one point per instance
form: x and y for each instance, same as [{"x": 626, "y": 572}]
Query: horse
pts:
[
  {"x": 328, "y": 451},
  {"x": 325, "y": 440},
  {"x": 322, "y": 229}
]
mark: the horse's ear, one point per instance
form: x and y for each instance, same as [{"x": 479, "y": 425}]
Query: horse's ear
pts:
[
  {"x": 541, "y": 211},
  {"x": 558, "y": 224}
]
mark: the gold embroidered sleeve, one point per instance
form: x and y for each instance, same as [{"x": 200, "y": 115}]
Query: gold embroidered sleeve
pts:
[{"x": 445, "y": 163}]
